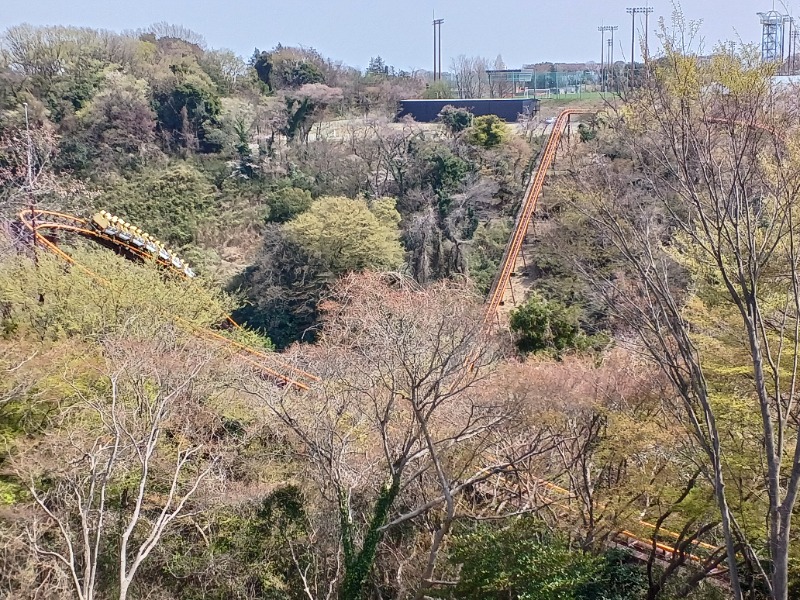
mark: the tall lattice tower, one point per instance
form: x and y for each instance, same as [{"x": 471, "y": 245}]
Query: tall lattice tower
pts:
[{"x": 772, "y": 26}]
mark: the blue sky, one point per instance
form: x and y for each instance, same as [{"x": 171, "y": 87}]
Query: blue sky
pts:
[{"x": 354, "y": 30}]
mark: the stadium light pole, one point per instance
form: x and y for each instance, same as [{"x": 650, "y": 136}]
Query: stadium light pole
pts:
[
  {"x": 437, "y": 37},
  {"x": 434, "y": 49},
  {"x": 602, "y": 31},
  {"x": 440, "y": 47}
]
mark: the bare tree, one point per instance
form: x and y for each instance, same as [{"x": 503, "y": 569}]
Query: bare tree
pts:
[
  {"x": 500, "y": 88},
  {"x": 470, "y": 77},
  {"x": 711, "y": 207},
  {"x": 400, "y": 426},
  {"x": 25, "y": 172},
  {"x": 162, "y": 29},
  {"x": 130, "y": 459}
]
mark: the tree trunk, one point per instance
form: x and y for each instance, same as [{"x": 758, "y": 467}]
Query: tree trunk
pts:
[
  {"x": 781, "y": 526},
  {"x": 358, "y": 566}
]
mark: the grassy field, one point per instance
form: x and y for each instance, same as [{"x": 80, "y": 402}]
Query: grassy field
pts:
[{"x": 562, "y": 99}]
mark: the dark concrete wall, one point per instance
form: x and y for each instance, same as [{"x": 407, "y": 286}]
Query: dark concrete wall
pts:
[{"x": 508, "y": 109}]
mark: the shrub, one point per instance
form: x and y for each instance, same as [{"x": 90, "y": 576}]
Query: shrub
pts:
[
  {"x": 546, "y": 325},
  {"x": 488, "y": 131}
]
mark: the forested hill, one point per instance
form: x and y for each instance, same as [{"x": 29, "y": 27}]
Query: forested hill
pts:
[
  {"x": 215, "y": 154},
  {"x": 625, "y": 428}
]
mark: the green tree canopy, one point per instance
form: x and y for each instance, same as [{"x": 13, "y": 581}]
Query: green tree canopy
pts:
[
  {"x": 119, "y": 117},
  {"x": 169, "y": 203},
  {"x": 486, "y": 252},
  {"x": 187, "y": 103},
  {"x": 287, "y": 67},
  {"x": 288, "y": 202},
  {"x": 546, "y": 325},
  {"x": 525, "y": 560},
  {"x": 455, "y": 119},
  {"x": 343, "y": 235},
  {"x": 488, "y": 131},
  {"x": 262, "y": 65}
]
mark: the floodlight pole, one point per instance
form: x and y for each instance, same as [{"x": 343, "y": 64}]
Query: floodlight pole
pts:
[
  {"x": 437, "y": 47},
  {"x": 434, "y": 49},
  {"x": 440, "y": 47},
  {"x": 602, "y": 29},
  {"x": 613, "y": 29}
]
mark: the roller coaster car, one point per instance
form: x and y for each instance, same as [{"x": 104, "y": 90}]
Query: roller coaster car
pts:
[
  {"x": 100, "y": 222},
  {"x": 128, "y": 234}
]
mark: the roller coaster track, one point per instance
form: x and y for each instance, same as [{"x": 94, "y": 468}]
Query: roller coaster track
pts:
[
  {"x": 45, "y": 225},
  {"x": 524, "y": 216},
  {"x": 495, "y": 300},
  {"x": 502, "y": 282}
]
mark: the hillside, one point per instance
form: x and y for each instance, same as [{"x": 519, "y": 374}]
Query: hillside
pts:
[{"x": 623, "y": 427}]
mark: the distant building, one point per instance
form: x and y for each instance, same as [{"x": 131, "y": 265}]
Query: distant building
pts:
[
  {"x": 508, "y": 83},
  {"x": 783, "y": 81},
  {"x": 508, "y": 109}
]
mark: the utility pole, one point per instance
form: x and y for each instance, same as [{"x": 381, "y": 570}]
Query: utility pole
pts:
[
  {"x": 633, "y": 11},
  {"x": 29, "y": 181},
  {"x": 602, "y": 29},
  {"x": 611, "y": 78}
]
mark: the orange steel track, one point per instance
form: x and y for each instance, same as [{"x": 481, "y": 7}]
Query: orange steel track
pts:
[
  {"x": 284, "y": 373},
  {"x": 495, "y": 300},
  {"x": 42, "y": 221},
  {"x": 525, "y": 214}
]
